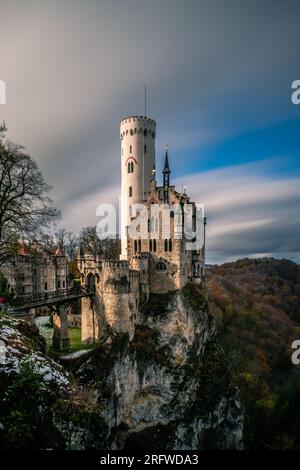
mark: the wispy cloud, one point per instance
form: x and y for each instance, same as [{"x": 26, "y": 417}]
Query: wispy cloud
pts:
[{"x": 248, "y": 213}]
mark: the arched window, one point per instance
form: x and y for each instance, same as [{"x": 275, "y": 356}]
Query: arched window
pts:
[
  {"x": 145, "y": 132},
  {"x": 172, "y": 215},
  {"x": 130, "y": 191},
  {"x": 135, "y": 246},
  {"x": 154, "y": 244},
  {"x": 131, "y": 132},
  {"x": 145, "y": 148},
  {"x": 152, "y": 224},
  {"x": 170, "y": 245},
  {"x": 130, "y": 167},
  {"x": 130, "y": 148},
  {"x": 150, "y": 245},
  {"x": 160, "y": 266},
  {"x": 166, "y": 245}
]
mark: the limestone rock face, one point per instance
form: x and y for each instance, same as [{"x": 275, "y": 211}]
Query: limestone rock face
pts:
[
  {"x": 169, "y": 387},
  {"x": 166, "y": 387}
]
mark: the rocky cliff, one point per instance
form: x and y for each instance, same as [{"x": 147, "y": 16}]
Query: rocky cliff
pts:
[{"x": 169, "y": 387}]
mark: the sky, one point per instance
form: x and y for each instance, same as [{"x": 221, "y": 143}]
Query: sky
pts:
[{"x": 219, "y": 77}]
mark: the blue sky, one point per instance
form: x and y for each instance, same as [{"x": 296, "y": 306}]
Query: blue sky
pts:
[
  {"x": 280, "y": 139},
  {"x": 219, "y": 77}
]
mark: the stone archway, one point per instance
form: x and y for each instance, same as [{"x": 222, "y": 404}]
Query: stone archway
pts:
[{"x": 90, "y": 282}]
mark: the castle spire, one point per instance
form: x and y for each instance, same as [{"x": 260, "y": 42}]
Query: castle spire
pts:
[
  {"x": 166, "y": 175},
  {"x": 166, "y": 165}
]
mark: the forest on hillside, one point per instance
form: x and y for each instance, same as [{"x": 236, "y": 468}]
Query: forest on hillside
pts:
[{"x": 256, "y": 306}]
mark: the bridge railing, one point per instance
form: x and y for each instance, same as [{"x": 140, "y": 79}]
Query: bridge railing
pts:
[{"x": 52, "y": 296}]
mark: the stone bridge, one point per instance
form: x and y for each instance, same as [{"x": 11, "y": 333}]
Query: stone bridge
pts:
[{"x": 59, "y": 302}]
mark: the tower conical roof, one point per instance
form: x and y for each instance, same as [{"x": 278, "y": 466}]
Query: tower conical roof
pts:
[{"x": 166, "y": 165}]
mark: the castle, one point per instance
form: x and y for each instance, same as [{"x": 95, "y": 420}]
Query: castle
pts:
[
  {"x": 158, "y": 255},
  {"x": 36, "y": 271}
]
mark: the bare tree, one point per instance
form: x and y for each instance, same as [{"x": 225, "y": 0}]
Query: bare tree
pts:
[
  {"x": 61, "y": 238},
  {"x": 3, "y": 129},
  {"x": 46, "y": 241},
  {"x": 68, "y": 242},
  {"x": 72, "y": 245},
  {"x": 26, "y": 210},
  {"x": 107, "y": 248},
  {"x": 90, "y": 241}
]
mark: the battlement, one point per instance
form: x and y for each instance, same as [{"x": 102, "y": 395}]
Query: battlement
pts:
[
  {"x": 115, "y": 264},
  {"x": 138, "y": 119},
  {"x": 135, "y": 125},
  {"x": 141, "y": 255}
]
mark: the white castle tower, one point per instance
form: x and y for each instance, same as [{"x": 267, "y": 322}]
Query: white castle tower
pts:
[{"x": 137, "y": 135}]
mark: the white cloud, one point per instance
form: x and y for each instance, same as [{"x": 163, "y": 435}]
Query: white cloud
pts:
[{"x": 249, "y": 213}]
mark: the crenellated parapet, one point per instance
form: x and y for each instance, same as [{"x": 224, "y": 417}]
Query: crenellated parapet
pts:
[{"x": 133, "y": 125}]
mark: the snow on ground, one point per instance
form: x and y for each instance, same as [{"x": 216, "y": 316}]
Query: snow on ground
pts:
[{"x": 16, "y": 350}]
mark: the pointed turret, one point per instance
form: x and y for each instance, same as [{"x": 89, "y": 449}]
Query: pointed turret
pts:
[
  {"x": 166, "y": 176},
  {"x": 166, "y": 169}
]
